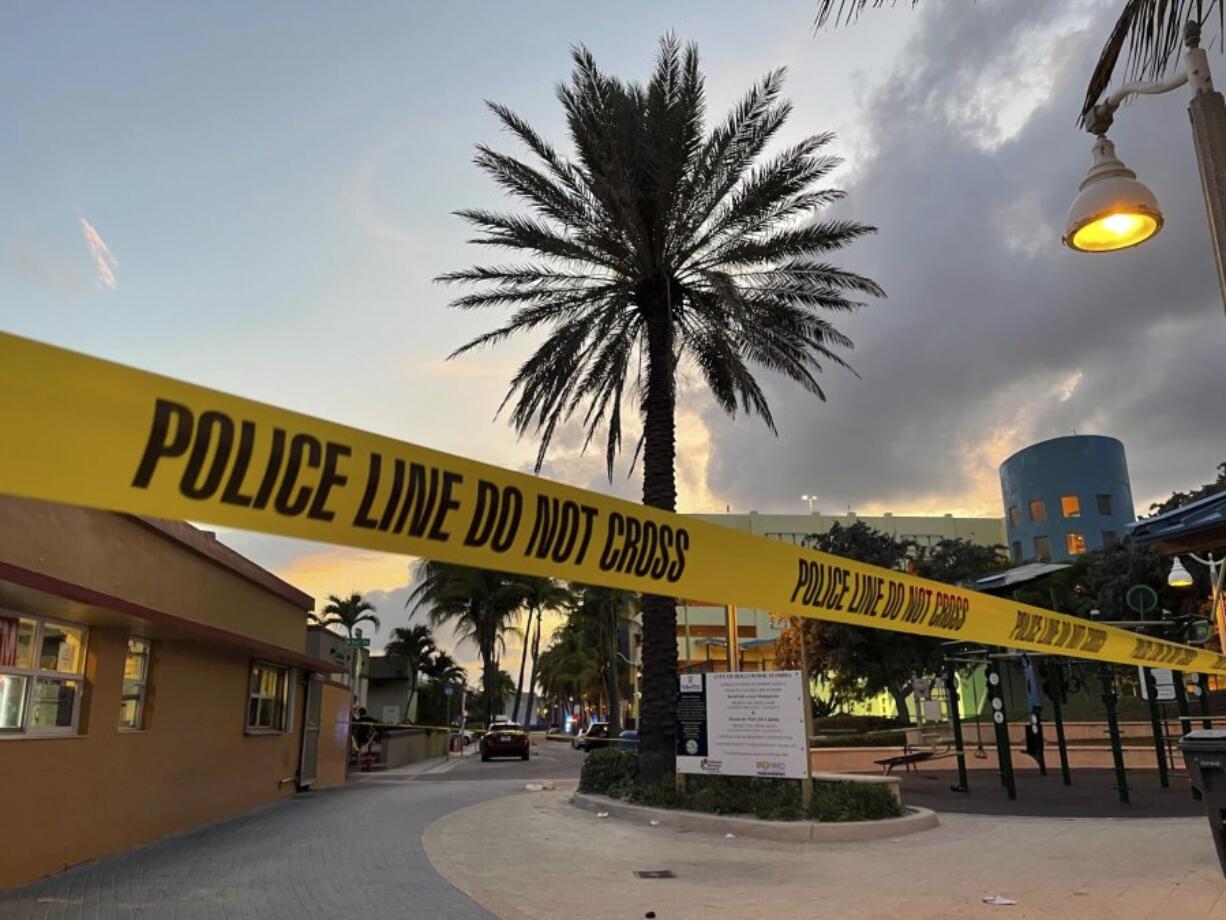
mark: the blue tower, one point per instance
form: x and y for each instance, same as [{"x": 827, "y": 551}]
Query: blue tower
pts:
[{"x": 1066, "y": 496}]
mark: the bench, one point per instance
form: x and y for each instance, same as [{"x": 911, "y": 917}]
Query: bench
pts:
[{"x": 908, "y": 760}]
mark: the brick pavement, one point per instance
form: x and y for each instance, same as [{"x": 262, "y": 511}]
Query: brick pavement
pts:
[{"x": 352, "y": 852}]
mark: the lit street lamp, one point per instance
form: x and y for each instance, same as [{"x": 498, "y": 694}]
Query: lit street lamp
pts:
[
  {"x": 1180, "y": 577},
  {"x": 810, "y": 499},
  {"x": 1112, "y": 209}
]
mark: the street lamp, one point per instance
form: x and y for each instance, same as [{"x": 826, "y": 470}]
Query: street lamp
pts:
[
  {"x": 810, "y": 499},
  {"x": 1181, "y": 578},
  {"x": 1112, "y": 209}
]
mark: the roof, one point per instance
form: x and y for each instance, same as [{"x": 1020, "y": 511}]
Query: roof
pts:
[
  {"x": 206, "y": 544},
  {"x": 1197, "y": 525},
  {"x": 1016, "y": 575}
]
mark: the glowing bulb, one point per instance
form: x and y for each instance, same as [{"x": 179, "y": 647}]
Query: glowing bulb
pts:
[
  {"x": 1115, "y": 231},
  {"x": 1179, "y": 577}
]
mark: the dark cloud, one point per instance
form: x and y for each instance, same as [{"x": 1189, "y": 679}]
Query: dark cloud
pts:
[{"x": 994, "y": 335}]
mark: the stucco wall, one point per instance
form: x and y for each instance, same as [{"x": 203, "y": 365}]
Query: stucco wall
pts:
[{"x": 69, "y": 799}]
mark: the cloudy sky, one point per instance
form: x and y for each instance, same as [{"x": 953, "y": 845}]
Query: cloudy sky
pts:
[{"x": 255, "y": 198}]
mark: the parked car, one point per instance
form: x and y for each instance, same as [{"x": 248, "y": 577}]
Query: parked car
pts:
[
  {"x": 628, "y": 740},
  {"x": 596, "y": 736},
  {"x": 505, "y": 739}
]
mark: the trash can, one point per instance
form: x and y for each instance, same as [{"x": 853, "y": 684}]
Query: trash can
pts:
[{"x": 1204, "y": 752}]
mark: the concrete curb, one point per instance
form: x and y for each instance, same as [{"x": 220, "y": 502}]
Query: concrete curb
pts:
[{"x": 917, "y": 819}]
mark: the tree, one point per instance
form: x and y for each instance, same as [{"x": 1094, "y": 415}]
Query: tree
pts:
[
  {"x": 958, "y": 561},
  {"x": 860, "y": 662},
  {"x": 538, "y": 594},
  {"x": 1179, "y": 499},
  {"x": 415, "y": 644},
  {"x": 569, "y": 667},
  {"x": 660, "y": 244},
  {"x": 441, "y": 668},
  {"x": 479, "y": 605},
  {"x": 598, "y": 616},
  {"x": 347, "y": 612},
  {"x": 1152, "y": 31}
]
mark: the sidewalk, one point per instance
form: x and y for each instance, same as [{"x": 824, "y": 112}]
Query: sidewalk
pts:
[{"x": 1071, "y": 867}]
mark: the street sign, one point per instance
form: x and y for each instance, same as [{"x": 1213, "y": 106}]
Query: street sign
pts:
[
  {"x": 1164, "y": 680},
  {"x": 358, "y": 642}
]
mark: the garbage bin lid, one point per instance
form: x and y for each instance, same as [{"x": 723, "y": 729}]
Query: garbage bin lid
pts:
[{"x": 1204, "y": 740}]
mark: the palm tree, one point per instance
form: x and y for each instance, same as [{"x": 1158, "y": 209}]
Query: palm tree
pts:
[
  {"x": 598, "y": 614},
  {"x": 478, "y": 603},
  {"x": 660, "y": 243},
  {"x": 1152, "y": 30},
  {"x": 347, "y": 612},
  {"x": 442, "y": 669},
  {"x": 415, "y": 644},
  {"x": 538, "y": 595},
  {"x": 569, "y": 667}
]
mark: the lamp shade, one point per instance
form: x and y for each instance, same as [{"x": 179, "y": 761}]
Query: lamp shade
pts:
[
  {"x": 1112, "y": 209},
  {"x": 1179, "y": 577}
]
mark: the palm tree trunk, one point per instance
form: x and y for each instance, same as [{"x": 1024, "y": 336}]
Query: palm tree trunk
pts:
[
  {"x": 657, "y": 731},
  {"x": 523, "y": 659},
  {"x": 536, "y": 654},
  {"x": 408, "y": 708}
]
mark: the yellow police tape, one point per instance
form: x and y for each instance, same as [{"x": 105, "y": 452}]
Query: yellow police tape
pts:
[{"x": 89, "y": 432}]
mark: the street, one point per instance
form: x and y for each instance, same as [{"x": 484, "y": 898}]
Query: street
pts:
[{"x": 354, "y": 851}]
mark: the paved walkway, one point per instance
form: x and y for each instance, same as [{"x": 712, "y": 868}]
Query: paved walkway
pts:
[
  {"x": 352, "y": 852},
  {"x": 1053, "y": 867}
]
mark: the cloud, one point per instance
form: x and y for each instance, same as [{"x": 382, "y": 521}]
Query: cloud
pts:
[
  {"x": 993, "y": 335},
  {"x": 105, "y": 262}
]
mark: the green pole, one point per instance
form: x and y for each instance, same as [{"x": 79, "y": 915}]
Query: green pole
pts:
[
  {"x": 1155, "y": 721},
  {"x": 1113, "y": 728}
]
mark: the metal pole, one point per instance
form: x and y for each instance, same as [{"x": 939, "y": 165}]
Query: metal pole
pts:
[
  {"x": 955, "y": 721},
  {"x": 733, "y": 632},
  {"x": 1206, "y": 722},
  {"x": 1055, "y": 687},
  {"x": 1113, "y": 728},
  {"x": 447, "y": 719},
  {"x": 1185, "y": 714},
  {"x": 1004, "y": 756},
  {"x": 1207, "y": 111},
  {"x": 1155, "y": 721}
]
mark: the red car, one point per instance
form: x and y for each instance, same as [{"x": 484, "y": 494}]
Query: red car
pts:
[{"x": 504, "y": 739}]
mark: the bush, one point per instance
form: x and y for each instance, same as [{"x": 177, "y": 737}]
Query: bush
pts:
[
  {"x": 606, "y": 769},
  {"x": 872, "y": 739},
  {"x": 855, "y": 723},
  {"x": 852, "y": 802}
]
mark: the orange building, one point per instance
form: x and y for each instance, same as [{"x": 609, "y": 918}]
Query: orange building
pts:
[{"x": 151, "y": 679}]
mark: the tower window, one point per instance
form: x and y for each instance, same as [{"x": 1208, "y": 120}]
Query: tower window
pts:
[
  {"x": 1015, "y": 516},
  {"x": 1042, "y": 549},
  {"x": 1070, "y": 506},
  {"x": 1075, "y": 543},
  {"x": 1038, "y": 510},
  {"x": 1104, "y": 505}
]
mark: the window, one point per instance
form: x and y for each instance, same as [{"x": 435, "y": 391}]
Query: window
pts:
[
  {"x": 1070, "y": 506},
  {"x": 135, "y": 679},
  {"x": 1015, "y": 516},
  {"x": 42, "y": 665},
  {"x": 1017, "y": 550},
  {"x": 1104, "y": 505},
  {"x": 1042, "y": 549},
  {"x": 268, "y": 698},
  {"x": 1108, "y": 539},
  {"x": 1075, "y": 543},
  {"x": 1038, "y": 511}
]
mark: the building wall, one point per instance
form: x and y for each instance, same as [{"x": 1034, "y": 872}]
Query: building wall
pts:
[
  {"x": 1081, "y": 466},
  {"x": 72, "y": 798},
  {"x": 793, "y": 528}
]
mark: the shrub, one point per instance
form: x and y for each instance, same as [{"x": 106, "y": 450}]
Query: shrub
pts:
[
  {"x": 855, "y": 723},
  {"x": 608, "y": 768},
  {"x": 852, "y": 802},
  {"x": 871, "y": 739}
]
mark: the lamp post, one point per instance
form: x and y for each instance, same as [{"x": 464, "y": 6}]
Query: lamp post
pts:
[
  {"x": 1112, "y": 209},
  {"x": 810, "y": 499},
  {"x": 1180, "y": 577}
]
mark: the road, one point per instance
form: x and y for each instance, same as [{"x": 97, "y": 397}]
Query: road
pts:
[{"x": 353, "y": 851}]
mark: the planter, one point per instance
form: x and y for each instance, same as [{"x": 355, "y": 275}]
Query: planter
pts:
[{"x": 916, "y": 819}]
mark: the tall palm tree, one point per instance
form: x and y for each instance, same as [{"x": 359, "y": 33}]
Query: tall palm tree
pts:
[
  {"x": 569, "y": 667},
  {"x": 347, "y": 612},
  {"x": 479, "y": 604},
  {"x": 660, "y": 243},
  {"x": 442, "y": 669},
  {"x": 1151, "y": 30},
  {"x": 538, "y": 595},
  {"x": 415, "y": 644}
]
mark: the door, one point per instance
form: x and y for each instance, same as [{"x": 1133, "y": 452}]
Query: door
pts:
[{"x": 310, "y": 731}]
